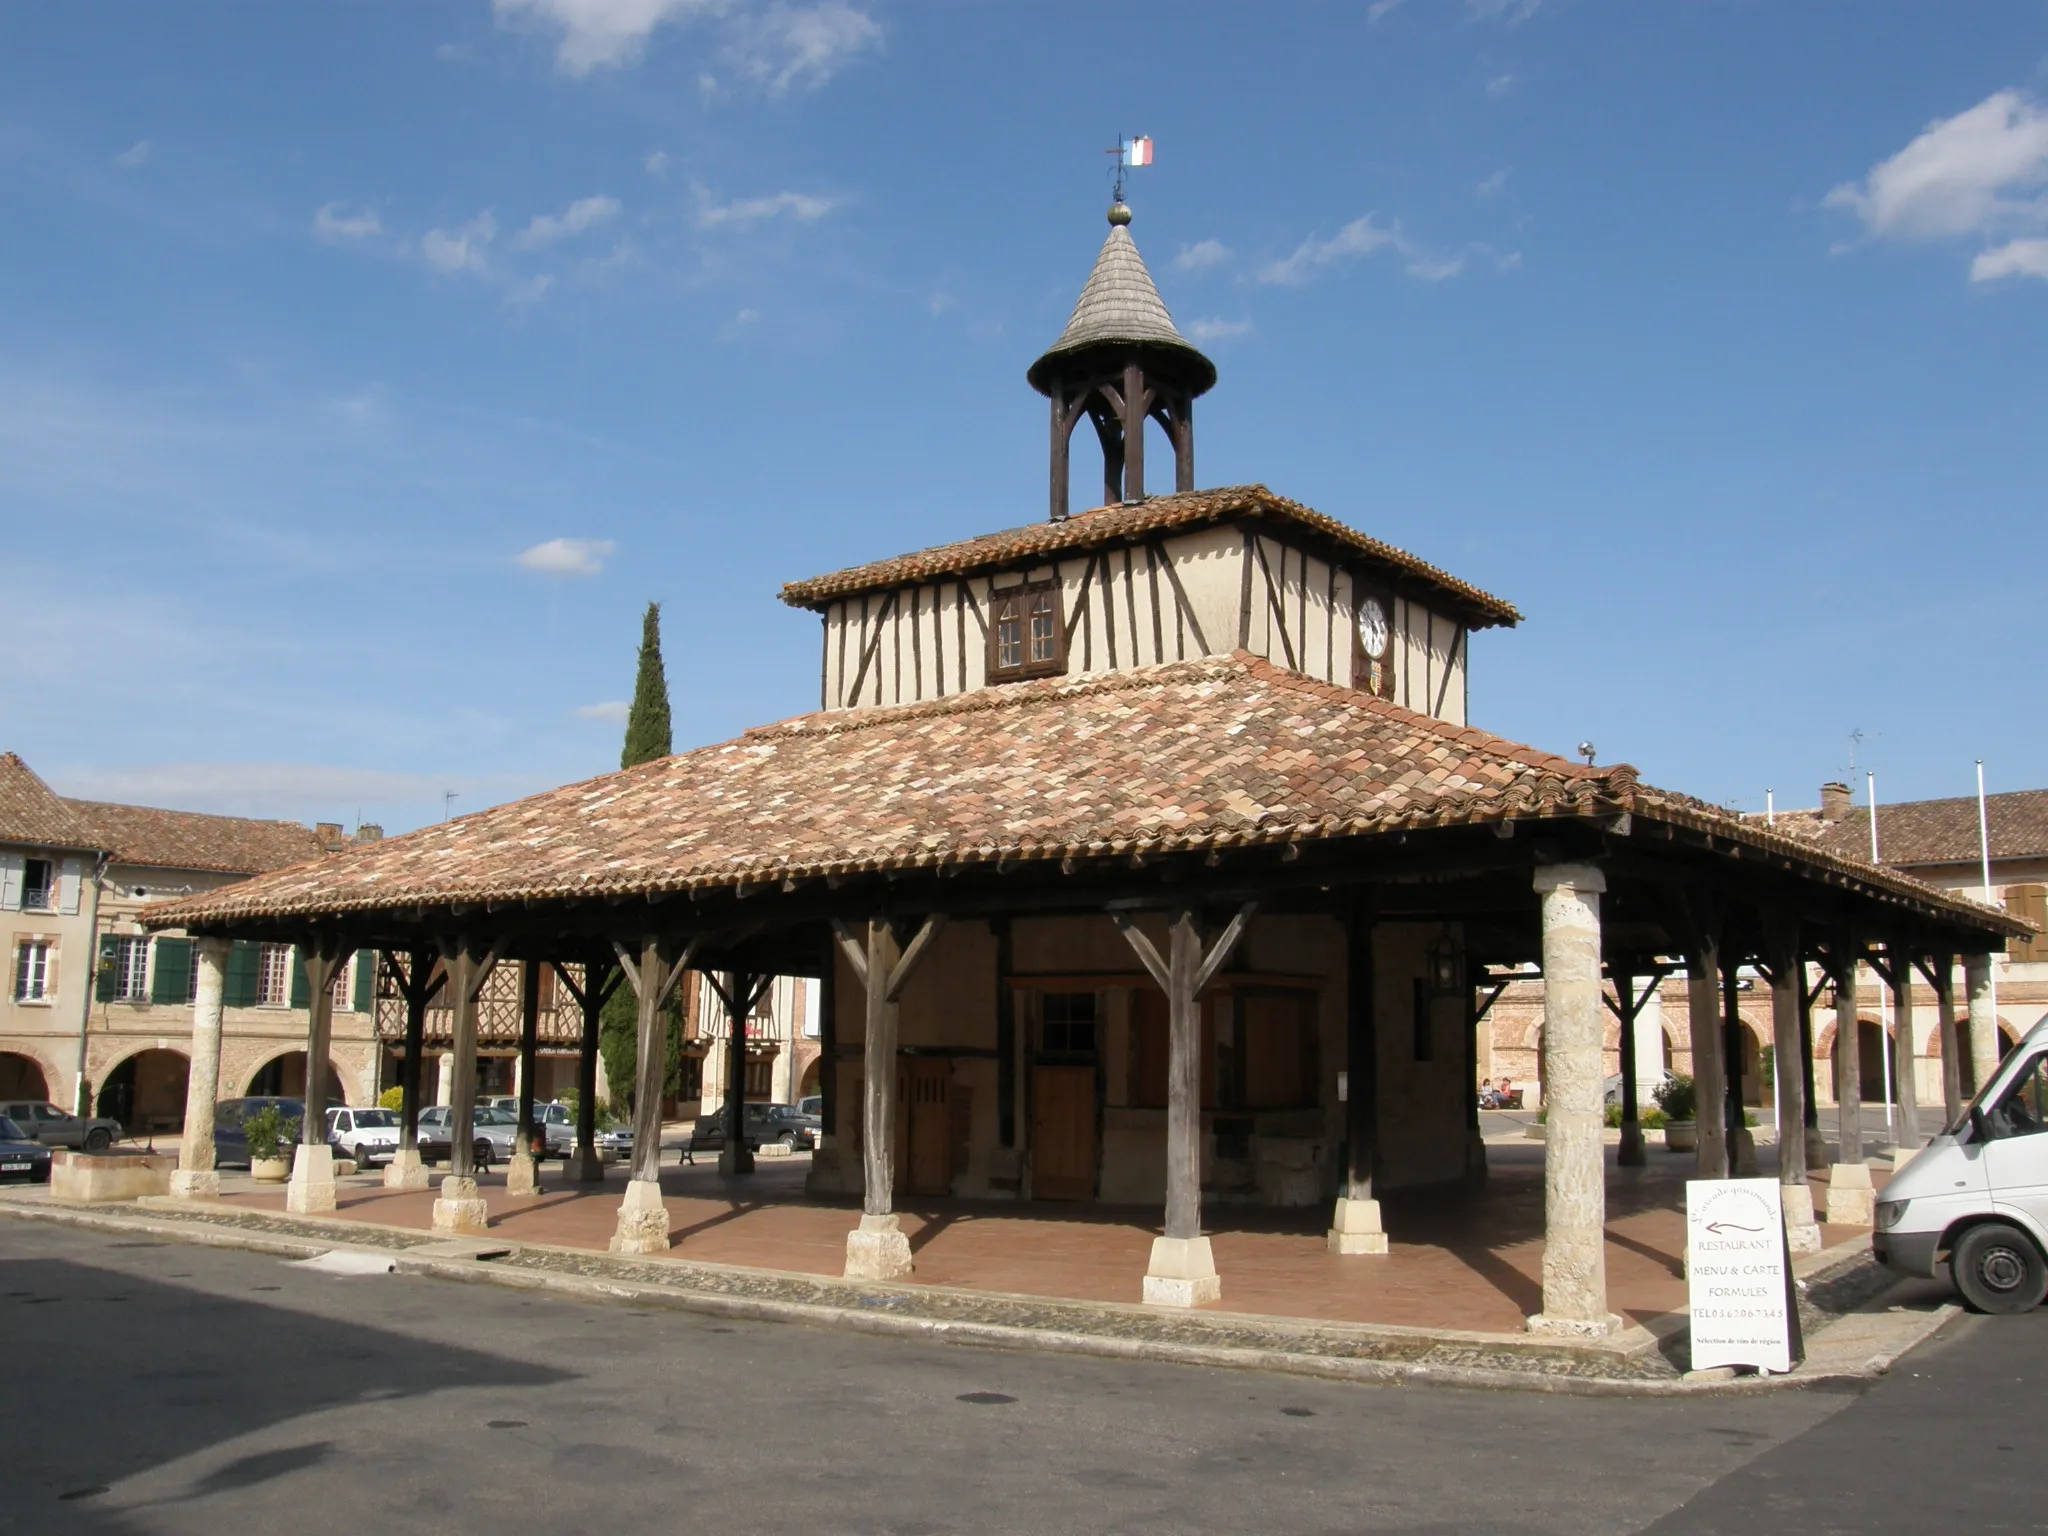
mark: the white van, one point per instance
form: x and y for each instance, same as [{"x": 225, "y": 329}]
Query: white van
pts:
[{"x": 1976, "y": 1198}]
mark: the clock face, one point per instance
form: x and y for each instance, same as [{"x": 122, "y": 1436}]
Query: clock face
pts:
[{"x": 1372, "y": 627}]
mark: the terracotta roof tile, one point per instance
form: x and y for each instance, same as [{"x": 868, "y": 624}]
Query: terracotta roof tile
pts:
[
  {"x": 30, "y": 813},
  {"x": 136, "y": 834},
  {"x": 1133, "y": 521},
  {"x": 1225, "y": 751},
  {"x": 1934, "y": 831}
]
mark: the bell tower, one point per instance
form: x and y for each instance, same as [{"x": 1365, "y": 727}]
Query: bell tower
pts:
[{"x": 1120, "y": 362}]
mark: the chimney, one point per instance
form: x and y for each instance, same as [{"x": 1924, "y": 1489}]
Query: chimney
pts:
[
  {"x": 329, "y": 833},
  {"x": 1834, "y": 801},
  {"x": 369, "y": 832}
]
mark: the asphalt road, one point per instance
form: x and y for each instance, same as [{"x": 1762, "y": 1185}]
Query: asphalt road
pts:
[{"x": 154, "y": 1388}]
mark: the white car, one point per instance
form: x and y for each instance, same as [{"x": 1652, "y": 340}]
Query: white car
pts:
[{"x": 367, "y": 1135}]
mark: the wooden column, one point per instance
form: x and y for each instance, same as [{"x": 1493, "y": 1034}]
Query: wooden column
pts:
[
  {"x": 1062, "y": 433},
  {"x": 1703, "y": 1016},
  {"x": 828, "y": 1042},
  {"x": 741, "y": 991},
  {"x": 460, "y": 1207},
  {"x": 1906, "y": 1073},
  {"x": 600, "y": 979},
  {"x": 1356, "y": 1226},
  {"x": 652, "y": 971},
  {"x": 522, "y": 1173},
  {"x": 1184, "y": 452},
  {"x": 1134, "y": 432},
  {"x": 1006, "y": 1038},
  {"x": 1788, "y": 989},
  {"x": 1741, "y": 1146},
  {"x": 1183, "y": 1269}
]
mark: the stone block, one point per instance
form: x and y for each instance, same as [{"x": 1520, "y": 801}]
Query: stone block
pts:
[
  {"x": 1802, "y": 1232},
  {"x": 1182, "y": 1273},
  {"x": 1576, "y": 1327},
  {"x": 1355, "y": 1228},
  {"x": 522, "y": 1177},
  {"x": 643, "y": 1219},
  {"x": 311, "y": 1189},
  {"x": 1852, "y": 1202},
  {"x": 586, "y": 1170},
  {"x": 405, "y": 1171},
  {"x": 877, "y": 1250},
  {"x": 460, "y": 1208},
  {"x": 195, "y": 1184},
  {"x": 96, "y": 1179}
]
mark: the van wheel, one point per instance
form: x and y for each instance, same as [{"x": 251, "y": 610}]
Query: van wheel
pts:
[{"x": 1998, "y": 1269}]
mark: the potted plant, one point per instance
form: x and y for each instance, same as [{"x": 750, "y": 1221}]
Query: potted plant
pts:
[
  {"x": 270, "y": 1134},
  {"x": 1678, "y": 1100}
]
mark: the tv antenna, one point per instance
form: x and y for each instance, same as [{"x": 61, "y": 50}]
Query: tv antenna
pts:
[{"x": 448, "y": 798}]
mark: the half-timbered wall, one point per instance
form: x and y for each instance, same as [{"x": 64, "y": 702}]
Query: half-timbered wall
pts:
[{"x": 1174, "y": 599}]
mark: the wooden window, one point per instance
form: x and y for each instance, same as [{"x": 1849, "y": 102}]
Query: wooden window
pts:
[
  {"x": 1026, "y": 637},
  {"x": 131, "y": 970},
  {"x": 2029, "y": 901},
  {"x": 1067, "y": 1024},
  {"x": 35, "y": 971},
  {"x": 38, "y": 885},
  {"x": 761, "y": 1079},
  {"x": 274, "y": 977},
  {"x": 339, "y": 992}
]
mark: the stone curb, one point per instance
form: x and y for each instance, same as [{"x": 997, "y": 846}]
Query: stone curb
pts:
[{"x": 1888, "y": 1339}]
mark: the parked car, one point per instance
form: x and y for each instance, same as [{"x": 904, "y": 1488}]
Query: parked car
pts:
[
  {"x": 46, "y": 1123},
  {"x": 369, "y": 1136},
  {"x": 230, "y": 1146},
  {"x": 765, "y": 1123},
  {"x": 814, "y": 1105},
  {"x": 558, "y": 1121},
  {"x": 495, "y": 1132},
  {"x": 616, "y": 1143},
  {"x": 21, "y": 1155}
]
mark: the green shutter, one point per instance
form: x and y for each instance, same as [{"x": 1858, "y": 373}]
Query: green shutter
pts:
[
  {"x": 366, "y": 981},
  {"x": 172, "y": 983},
  {"x": 298, "y": 979},
  {"x": 244, "y": 960},
  {"x": 109, "y": 973}
]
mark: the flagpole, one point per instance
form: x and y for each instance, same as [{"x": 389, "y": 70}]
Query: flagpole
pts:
[
  {"x": 1884, "y": 1012},
  {"x": 1984, "y": 855}
]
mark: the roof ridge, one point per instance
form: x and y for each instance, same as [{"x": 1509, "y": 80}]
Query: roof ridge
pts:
[{"x": 171, "y": 810}]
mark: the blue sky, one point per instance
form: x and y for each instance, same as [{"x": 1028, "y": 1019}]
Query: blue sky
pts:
[{"x": 365, "y": 369}]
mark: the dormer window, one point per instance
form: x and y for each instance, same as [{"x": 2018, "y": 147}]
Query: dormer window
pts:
[{"x": 1026, "y": 637}]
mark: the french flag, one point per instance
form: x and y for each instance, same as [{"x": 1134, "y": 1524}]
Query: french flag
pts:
[{"x": 1138, "y": 152}]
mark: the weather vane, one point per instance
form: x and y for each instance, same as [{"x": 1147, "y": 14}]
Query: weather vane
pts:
[{"x": 1130, "y": 153}]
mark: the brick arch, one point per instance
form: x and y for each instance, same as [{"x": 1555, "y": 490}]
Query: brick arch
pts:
[
  {"x": 145, "y": 1089},
  {"x": 25, "y": 1074}
]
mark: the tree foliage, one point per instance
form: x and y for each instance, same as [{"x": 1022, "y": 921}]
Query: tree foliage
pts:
[{"x": 647, "y": 725}]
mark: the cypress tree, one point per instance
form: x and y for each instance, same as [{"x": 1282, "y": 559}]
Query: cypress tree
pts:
[{"x": 647, "y": 726}]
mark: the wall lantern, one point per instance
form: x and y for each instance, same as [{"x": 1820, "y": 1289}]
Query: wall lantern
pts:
[{"x": 1446, "y": 966}]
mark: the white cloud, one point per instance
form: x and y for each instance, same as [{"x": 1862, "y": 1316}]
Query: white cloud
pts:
[
  {"x": 1979, "y": 171},
  {"x": 1434, "y": 269},
  {"x": 2016, "y": 258},
  {"x": 1216, "y": 330},
  {"x": 1202, "y": 254},
  {"x": 600, "y": 32},
  {"x": 746, "y": 317},
  {"x": 806, "y": 45},
  {"x": 611, "y": 709},
  {"x": 585, "y": 213},
  {"x": 567, "y": 557},
  {"x": 1491, "y": 187},
  {"x": 532, "y": 290},
  {"x": 1500, "y": 85},
  {"x": 656, "y": 163},
  {"x": 135, "y": 155},
  {"x": 1509, "y": 11},
  {"x": 1361, "y": 237},
  {"x": 1380, "y": 8},
  {"x": 331, "y": 223},
  {"x": 801, "y": 206},
  {"x": 460, "y": 250}
]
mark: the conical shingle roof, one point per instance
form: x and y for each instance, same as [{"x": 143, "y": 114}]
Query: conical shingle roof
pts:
[{"x": 1120, "y": 307}]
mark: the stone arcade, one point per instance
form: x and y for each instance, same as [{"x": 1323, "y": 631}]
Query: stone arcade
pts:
[{"x": 1145, "y": 856}]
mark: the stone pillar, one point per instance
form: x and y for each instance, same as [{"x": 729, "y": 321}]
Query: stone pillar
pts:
[
  {"x": 1355, "y": 1227},
  {"x": 461, "y": 1208},
  {"x": 643, "y": 1219},
  {"x": 1851, "y": 1201},
  {"x": 195, "y": 1178},
  {"x": 445, "y": 1088},
  {"x": 1952, "y": 1096},
  {"x": 1906, "y": 1076},
  {"x": 1977, "y": 980},
  {"x": 878, "y": 1249},
  {"x": 1710, "y": 1088},
  {"x": 1574, "y": 1168},
  {"x": 733, "y": 1157},
  {"x": 1788, "y": 982},
  {"x": 311, "y": 1189}
]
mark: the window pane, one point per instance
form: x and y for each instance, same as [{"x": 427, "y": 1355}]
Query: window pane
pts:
[
  {"x": 1044, "y": 618},
  {"x": 1009, "y": 642}
]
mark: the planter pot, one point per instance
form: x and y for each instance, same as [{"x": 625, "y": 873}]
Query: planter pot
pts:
[
  {"x": 270, "y": 1170},
  {"x": 1681, "y": 1136}
]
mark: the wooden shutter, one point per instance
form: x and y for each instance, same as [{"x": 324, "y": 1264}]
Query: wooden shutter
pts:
[
  {"x": 366, "y": 980},
  {"x": 1147, "y": 1088},
  {"x": 67, "y": 887},
  {"x": 11, "y": 866},
  {"x": 108, "y": 975},
  {"x": 2031, "y": 902},
  {"x": 171, "y": 984},
  {"x": 298, "y": 994},
  {"x": 245, "y": 961}
]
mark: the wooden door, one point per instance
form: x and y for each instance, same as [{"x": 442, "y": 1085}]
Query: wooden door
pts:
[
  {"x": 925, "y": 1127},
  {"x": 1063, "y": 1133}
]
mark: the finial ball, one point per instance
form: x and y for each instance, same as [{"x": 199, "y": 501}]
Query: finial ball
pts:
[{"x": 1119, "y": 212}]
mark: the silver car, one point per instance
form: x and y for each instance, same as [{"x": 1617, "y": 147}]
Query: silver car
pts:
[
  {"x": 494, "y": 1130},
  {"x": 45, "y": 1122}
]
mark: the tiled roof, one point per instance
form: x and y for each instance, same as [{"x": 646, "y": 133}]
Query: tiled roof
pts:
[
  {"x": 1220, "y": 752},
  {"x": 1137, "y": 520},
  {"x": 1934, "y": 831},
  {"x": 136, "y": 834},
  {"x": 1120, "y": 305},
  {"x": 30, "y": 813}
]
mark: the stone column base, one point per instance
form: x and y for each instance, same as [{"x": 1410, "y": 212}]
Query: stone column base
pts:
[
  {"x": 1818, "y": 1153},
  {"x": 195, "y": 1184},
  {"x": 877, "y": 1249},
  {"x": 585, "y": 1170},
  {"x": 1802, "y": 1232},
  {"x": 643, "y": 1219},
  {"x": 1576, "y": 1327},
  {"x": 733, "y": 1158},
  {"x": 1183, "y": 1272},
  {"x": 1741, "y": 1152},
  {"x": 1355, "y": 1228},
  {"x": 312, "y": 1185},
  {"x": 521, "y": 1176},
  {"x": 1632, "y": 1153},
  {"x": 461, "y": 1208},
  {"x": 405, "y": 1171},
  {"x": 1851, "y": 1200}
]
